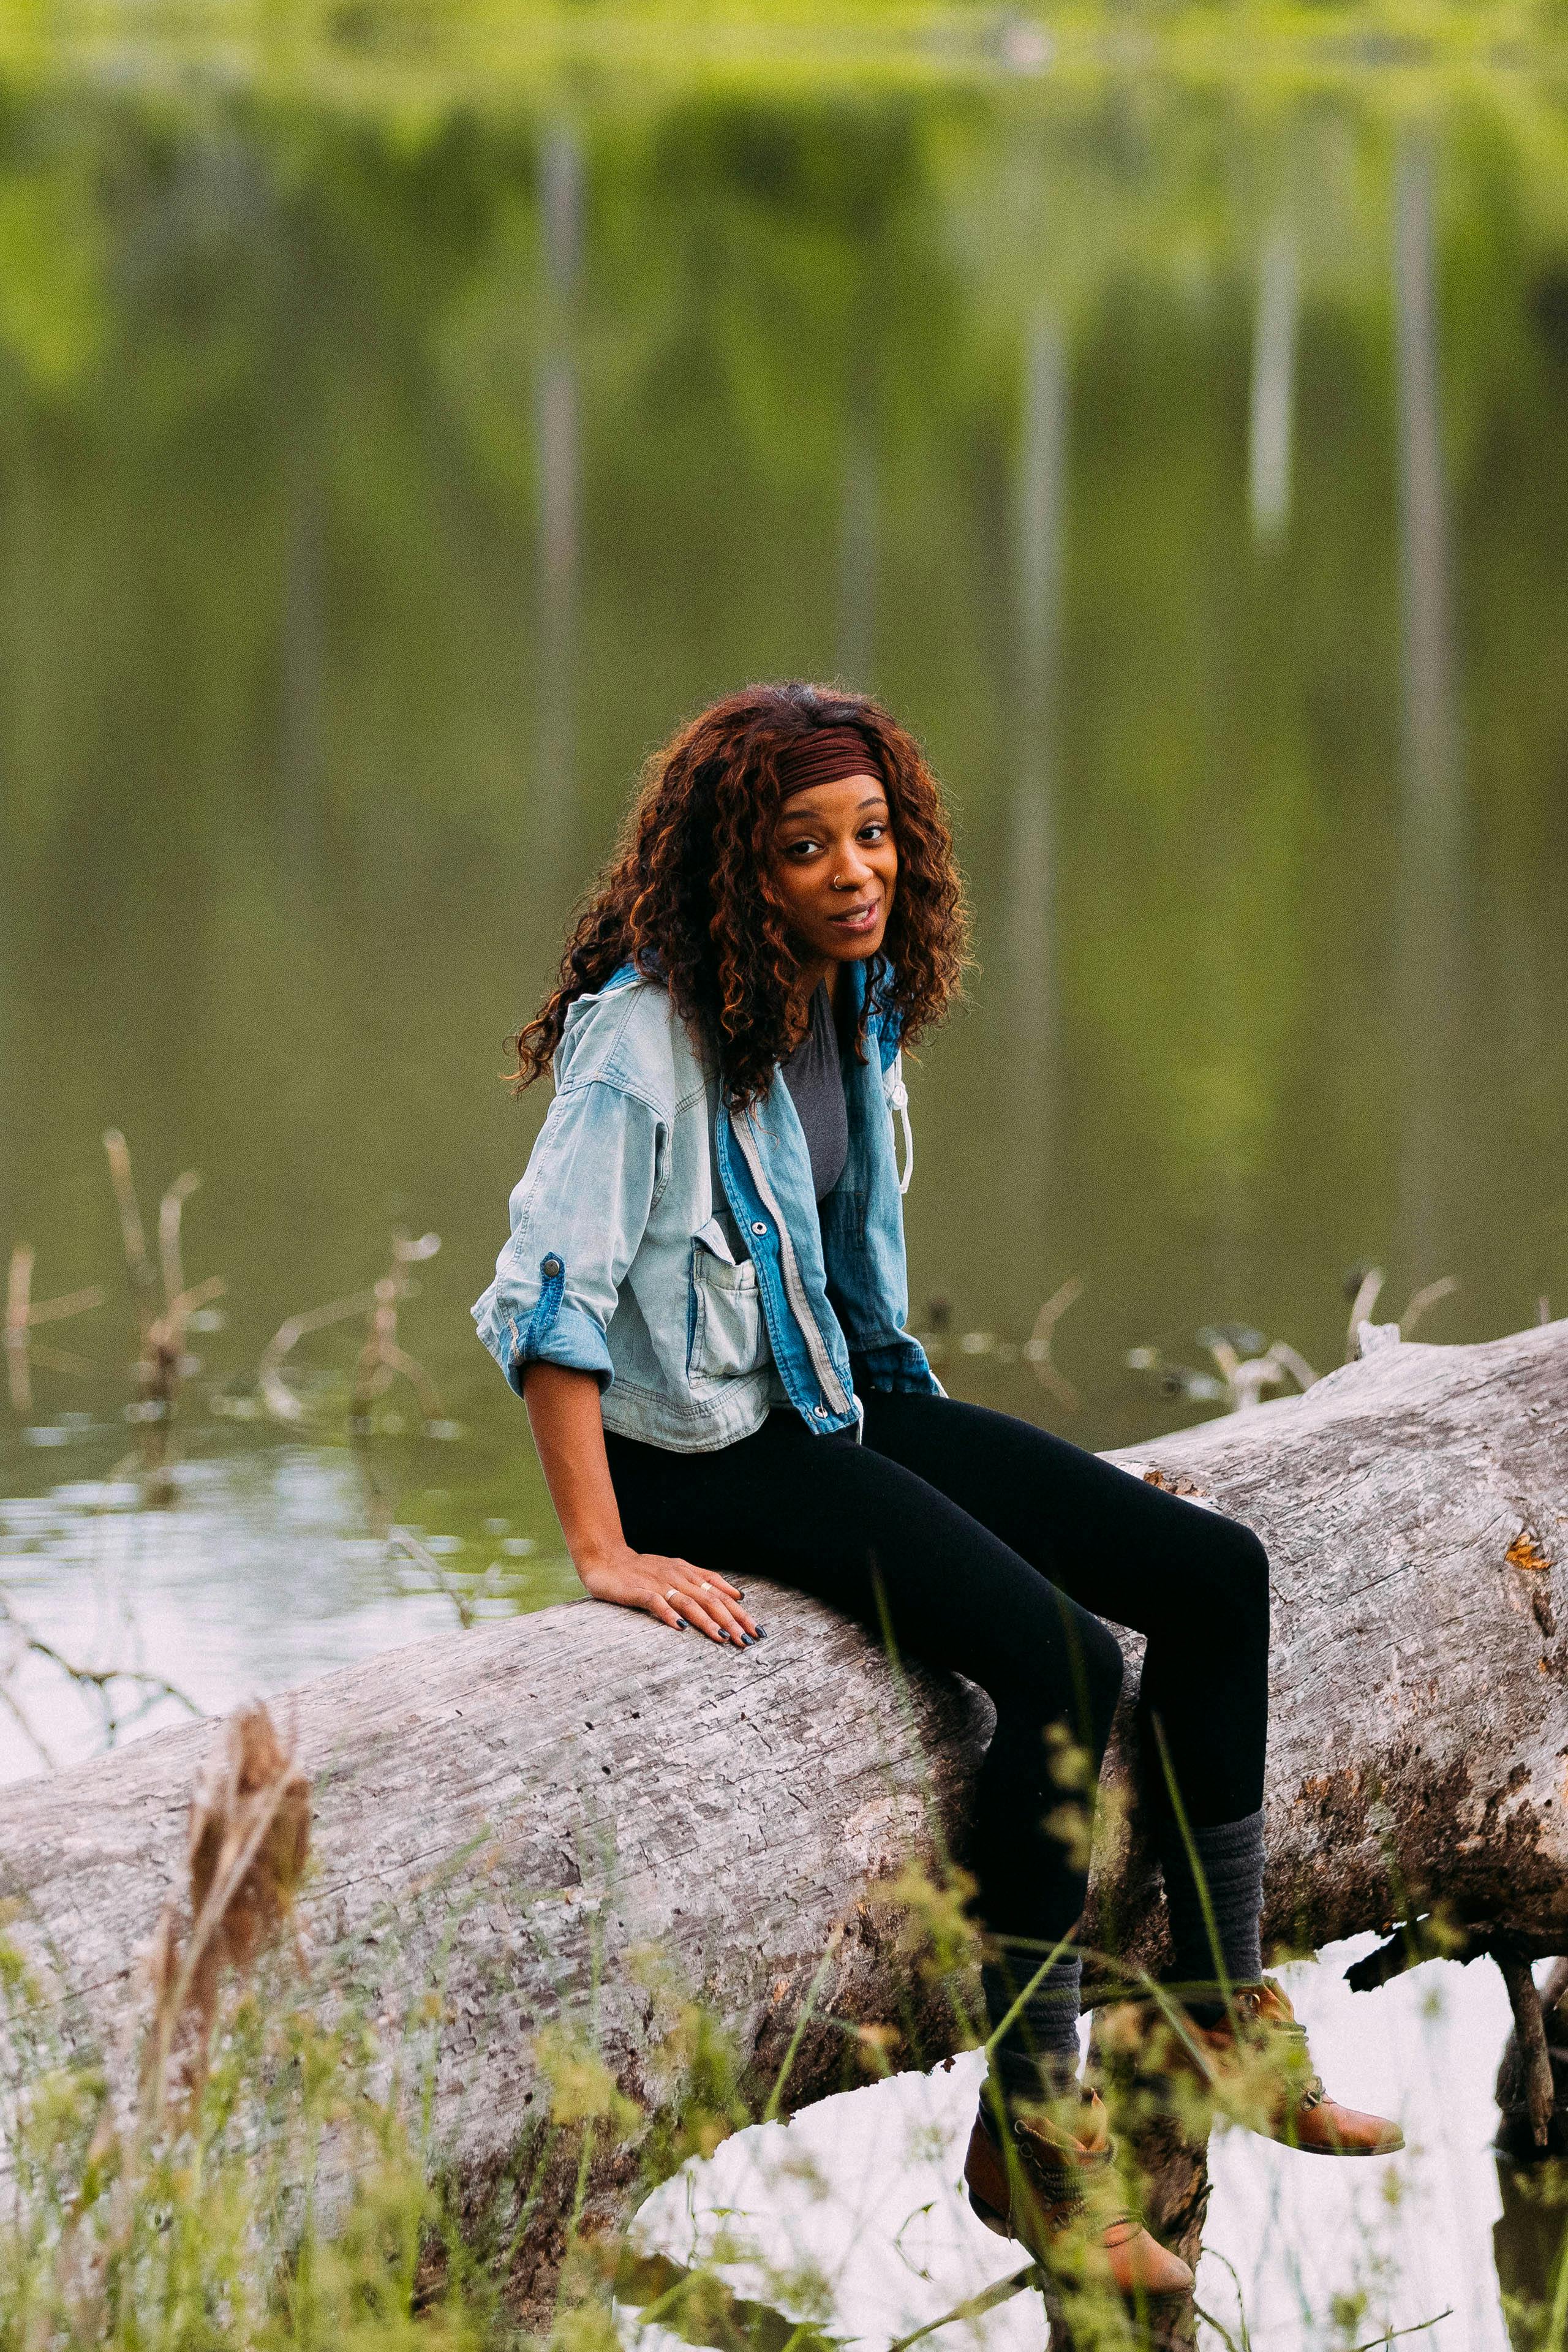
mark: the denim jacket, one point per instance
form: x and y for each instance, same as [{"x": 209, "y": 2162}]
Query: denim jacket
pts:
[{"x": 675, "y": 1249}]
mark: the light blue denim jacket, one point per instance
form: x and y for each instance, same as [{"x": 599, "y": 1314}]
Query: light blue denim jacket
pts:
[{"x": 675, "y": 1248}]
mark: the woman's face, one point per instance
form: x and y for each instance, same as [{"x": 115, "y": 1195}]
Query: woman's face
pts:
[{"x": 834, "y": 865}]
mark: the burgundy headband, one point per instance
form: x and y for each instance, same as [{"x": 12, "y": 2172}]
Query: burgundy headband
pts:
[{"x": 825, "y": 756}]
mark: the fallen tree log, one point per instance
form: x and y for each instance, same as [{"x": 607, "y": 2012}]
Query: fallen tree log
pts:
[
  {"x": 1415, "y": 1506},
  {"x": 517, "y": 1811}
]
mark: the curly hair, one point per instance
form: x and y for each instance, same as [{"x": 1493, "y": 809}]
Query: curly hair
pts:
[{"x": 687, "y": 896}]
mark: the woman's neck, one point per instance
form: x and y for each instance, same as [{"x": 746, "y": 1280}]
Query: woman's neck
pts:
[
  {"x": 808, "y": 979},
  {"x": 813, "y": 976}
]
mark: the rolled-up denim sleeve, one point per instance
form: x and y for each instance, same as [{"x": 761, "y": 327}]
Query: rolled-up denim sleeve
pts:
[{"x": 576, "y": 1219}]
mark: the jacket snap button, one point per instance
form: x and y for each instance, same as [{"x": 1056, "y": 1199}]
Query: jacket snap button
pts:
[
  {"x": 822, "y": 1412},
  {"x": 550, "y": 1268},
  {"x": 758, "y": 1226}
]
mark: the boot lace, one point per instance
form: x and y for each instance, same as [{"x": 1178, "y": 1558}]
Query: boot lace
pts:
[{"x": 1066, "y": 2182}]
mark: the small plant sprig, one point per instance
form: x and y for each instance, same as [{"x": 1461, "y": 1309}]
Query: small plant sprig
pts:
[
  {"x": 258, "y": 2184},
  {"x": 166, "y": 1307}
]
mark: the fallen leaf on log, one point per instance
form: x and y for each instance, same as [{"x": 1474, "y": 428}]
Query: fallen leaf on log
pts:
[{"x": 1525, "y": 1552}]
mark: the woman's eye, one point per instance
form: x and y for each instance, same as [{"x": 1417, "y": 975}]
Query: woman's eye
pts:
[
  {"x": 874, "y": 831},
  {"x": 800, "y": 848}
]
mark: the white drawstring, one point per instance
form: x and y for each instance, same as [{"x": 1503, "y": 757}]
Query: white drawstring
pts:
[{"x": 898, "y": 1096}]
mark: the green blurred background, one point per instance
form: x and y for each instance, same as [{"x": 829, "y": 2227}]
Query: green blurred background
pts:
[{"x": 408, "y": 412}]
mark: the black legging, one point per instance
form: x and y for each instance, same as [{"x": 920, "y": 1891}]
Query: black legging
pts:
[{"x": 993, "y": 1543}]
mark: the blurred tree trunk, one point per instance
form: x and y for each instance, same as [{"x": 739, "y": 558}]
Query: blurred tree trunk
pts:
[
  {"x": 1430, "y": 950},
  {"x": 556, "y": 815},
  {"x": 1032, "y": 899}
]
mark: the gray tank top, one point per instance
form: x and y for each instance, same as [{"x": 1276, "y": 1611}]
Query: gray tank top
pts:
[{"x": 815, "y": 1081}]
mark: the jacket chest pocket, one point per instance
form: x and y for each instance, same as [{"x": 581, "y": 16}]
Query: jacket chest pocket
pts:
[{"x": 729, "y": 1337}]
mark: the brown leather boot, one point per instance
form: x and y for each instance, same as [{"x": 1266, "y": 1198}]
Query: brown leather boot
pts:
[
  {"x": 1257, "y": 2069},
  {"x": 1060, "y": 2196}
]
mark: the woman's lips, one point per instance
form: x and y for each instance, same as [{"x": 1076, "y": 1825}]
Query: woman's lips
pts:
[{"x": 856, "y": 919}]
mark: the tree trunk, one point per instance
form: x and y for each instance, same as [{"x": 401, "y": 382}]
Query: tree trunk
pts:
[{"x": 519, "y": 1810}]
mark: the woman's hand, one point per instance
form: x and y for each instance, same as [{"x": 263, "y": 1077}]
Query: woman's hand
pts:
[
  {"x": 563, "y": 1409},
  {"x": 672, "y": 1591}
]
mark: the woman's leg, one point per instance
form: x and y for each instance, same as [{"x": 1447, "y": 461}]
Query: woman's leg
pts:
[
  {"x": 861, "y": 1530},
  {"x": 1195, "y": 1582}
]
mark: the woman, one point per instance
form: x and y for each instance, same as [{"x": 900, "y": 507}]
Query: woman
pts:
[{"x": 702, "y": 1301}]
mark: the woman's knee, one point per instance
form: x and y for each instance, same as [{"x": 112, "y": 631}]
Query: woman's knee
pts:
[
  {"x": 1213, "y": 1607},
  {"x": 1103, "y": 1669},
  {"x": 1240, "y": 1575},
  {"x": 1070, "y": 1675}
]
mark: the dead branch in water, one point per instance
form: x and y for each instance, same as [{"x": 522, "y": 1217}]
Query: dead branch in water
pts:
[
  {"x": 1428, "y": 1295},
  {"x": 162, "y": 1336},
  {"x": 23, "y": 1316},
  {"x": 1246, "y": 1365},
  {"x": 1036, "y": 1349},
  {"x": 381, "y": 1360},
  {"x": 133, "y": 1239},
  {"x": 1038, "y": 1345},
  {"x": 161, "y": 1361},
  {"x": 1362, "y": 1285},
  {"x": 278, "y": 1397},
  {"x": 102, "y": 1685}
]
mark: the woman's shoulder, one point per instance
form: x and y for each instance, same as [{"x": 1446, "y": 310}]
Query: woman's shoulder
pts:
[{"x": 627, "y": 1034}]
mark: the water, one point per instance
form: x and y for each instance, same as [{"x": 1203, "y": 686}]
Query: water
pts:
[
  {"x": 390, "y": 453},
  {"x": 854, "y": 2214}
]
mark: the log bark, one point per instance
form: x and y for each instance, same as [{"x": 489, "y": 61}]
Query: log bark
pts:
[
  {"x": 519, "y": 1810},
  {"x": 1415, "y": 1506}
]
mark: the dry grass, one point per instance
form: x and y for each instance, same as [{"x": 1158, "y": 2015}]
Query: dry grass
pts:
[{"x": 248, "y": 1840}]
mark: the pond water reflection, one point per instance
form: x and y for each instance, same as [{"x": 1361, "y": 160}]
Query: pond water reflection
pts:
[
  {"x": 854, "y": 2214},
  {"x": 384, "y": 469}
]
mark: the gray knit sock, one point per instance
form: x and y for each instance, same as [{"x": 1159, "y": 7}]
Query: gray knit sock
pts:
[
  {"x": 1230, "y": 1857},
  {"x": 1037, "y": 2056}
]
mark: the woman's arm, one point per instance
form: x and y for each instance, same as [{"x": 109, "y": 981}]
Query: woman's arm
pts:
[{"x": 569, "y": 1431}]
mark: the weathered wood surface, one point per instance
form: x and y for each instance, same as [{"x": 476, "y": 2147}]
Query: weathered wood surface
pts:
[
  {"x": 518, "y": 1808},
  {"x": 514, "y": 1811},
  {"x": 1415, "y": 1506}
]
